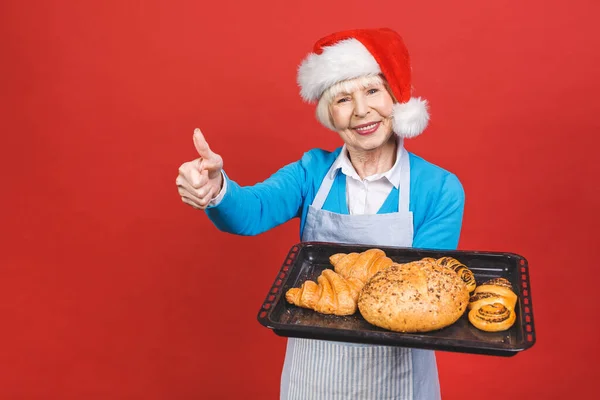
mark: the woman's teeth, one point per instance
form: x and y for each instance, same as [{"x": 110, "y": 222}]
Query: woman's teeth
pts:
[{"x": 366, "y": 128}]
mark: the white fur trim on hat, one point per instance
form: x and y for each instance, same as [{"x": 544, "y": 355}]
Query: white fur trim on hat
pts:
[
  {"x": 410, "y": 118},
  {"x": 346, "y": 59}
]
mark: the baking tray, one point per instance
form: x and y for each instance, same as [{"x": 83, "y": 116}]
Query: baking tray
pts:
[{"x": 306, "y": 261}]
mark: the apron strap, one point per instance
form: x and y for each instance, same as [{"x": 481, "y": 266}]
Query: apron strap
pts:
[
  {"x": 323, "y": 191},
  {"x": 404, "y": 187}
]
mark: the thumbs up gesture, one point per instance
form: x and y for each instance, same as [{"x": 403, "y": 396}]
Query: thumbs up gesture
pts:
[{"x": 199, "y": 181}]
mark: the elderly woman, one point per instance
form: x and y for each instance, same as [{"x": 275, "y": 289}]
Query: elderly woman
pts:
[{"x": 369, "y": 191}]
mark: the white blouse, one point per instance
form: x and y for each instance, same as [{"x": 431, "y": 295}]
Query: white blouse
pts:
[{"x": 366, "y": 196}]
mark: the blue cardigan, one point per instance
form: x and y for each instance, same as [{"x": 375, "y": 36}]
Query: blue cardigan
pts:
[{"x": 436, "y": 200}]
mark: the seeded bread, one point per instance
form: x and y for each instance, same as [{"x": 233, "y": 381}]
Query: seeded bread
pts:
[{"x": 415, "y": 297}]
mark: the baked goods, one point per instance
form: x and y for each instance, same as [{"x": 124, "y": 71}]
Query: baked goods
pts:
[
  {"x": 502, "y": 282},
  {"x": 493, "y": 306},
  {"x": 361, "y": 266},
  {"x": 419, "y": 296},
  {"x": 337, "y": 291},
  {"x": 331, "y": 295},
  {"x": 482, "y": 298},
  {"x": 492, "y": 317},
  {"x": 461, "y": 270},
  {"x": 492, "y": 289}
]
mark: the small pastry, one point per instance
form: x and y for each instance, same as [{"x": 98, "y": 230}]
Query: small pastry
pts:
[
  {"x": 499, "y": 282},
  {"x": 494, "y": 317},
  {"x": 481, "y": 298},
  {"x": 498, "y": 290},
  {"x": 493, "y": 306}
]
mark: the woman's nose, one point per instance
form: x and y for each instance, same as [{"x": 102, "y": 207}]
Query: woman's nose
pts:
[{"x": 361, "y": 107}]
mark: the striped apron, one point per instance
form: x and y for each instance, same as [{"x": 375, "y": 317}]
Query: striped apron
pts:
[{"x": 317, "y": 369}]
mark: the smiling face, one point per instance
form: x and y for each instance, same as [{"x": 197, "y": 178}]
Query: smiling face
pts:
[{"x": 360, "y": 111}]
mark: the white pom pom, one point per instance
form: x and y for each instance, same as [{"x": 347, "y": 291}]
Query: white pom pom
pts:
[{"x": 410, "y": 118}]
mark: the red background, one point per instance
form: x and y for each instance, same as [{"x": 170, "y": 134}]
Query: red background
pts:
[{"x": 110, "y": 287}]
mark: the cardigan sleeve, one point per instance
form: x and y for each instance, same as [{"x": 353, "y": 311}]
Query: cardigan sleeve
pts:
[
  {"x": 251, "y": 210},
  {"x": 443, "y": 222}
]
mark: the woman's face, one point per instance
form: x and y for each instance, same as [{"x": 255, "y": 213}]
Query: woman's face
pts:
[{"x": 362, "y": 118}]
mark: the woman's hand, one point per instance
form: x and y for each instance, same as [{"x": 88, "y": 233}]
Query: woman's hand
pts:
[{"x": 199, "y": 181}]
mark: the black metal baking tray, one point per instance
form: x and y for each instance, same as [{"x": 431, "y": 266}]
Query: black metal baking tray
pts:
[{"x": 306, "y": 261}]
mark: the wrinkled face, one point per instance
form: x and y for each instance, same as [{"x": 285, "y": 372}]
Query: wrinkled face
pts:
[{"x": 362, "y": 117}]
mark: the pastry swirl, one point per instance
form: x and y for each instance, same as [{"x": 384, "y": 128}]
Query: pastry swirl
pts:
[
  {"x": 461, "y": 270},
  {"x": 448, "y": 262},
  {"x": 499, "y": 282},
  {"x": 492, "y": 317},
  {"x": 500, "y": 291},
  {"x": 492, "y": 306},
  {"x": 482, "y": 298}
]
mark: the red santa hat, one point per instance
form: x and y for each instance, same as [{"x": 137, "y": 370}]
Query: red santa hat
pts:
[{"x": 362, "y": 52}]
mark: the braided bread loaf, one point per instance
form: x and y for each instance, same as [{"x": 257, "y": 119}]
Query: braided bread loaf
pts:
[{"x": 461, "y": 270}]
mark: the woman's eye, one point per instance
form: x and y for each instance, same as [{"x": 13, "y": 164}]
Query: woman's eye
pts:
[
  {"x": 372, "y": 91},
  {"x": 343, "y": 100}
]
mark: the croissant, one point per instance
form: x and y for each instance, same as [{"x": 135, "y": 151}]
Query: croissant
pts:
[
  {"x": 331, "y": 295},
  {"x": 462, "y": 271},
  {"x": 493, "y": 306},
  {"x": 360, "y": 266}
]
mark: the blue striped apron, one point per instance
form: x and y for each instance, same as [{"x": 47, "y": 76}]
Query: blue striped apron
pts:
[{"x": 317, "y": 369}]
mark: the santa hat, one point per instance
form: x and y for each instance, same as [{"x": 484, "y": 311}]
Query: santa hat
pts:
[{"x": 355, "y": 53}]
